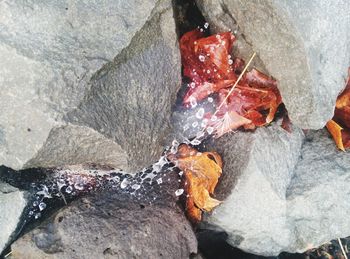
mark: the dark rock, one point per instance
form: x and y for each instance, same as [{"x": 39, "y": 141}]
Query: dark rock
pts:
[{"x": 114, "y": 224}]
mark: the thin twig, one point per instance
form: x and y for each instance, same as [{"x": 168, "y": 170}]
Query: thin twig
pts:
[
  {"x": 236, "y": 83},
  {"x": 64, "y": 198},
  {"x": 342, "y": 248},
  {"x": 7, "y": 255}
]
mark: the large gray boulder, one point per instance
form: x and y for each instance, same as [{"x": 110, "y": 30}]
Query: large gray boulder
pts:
[
  {"x": 280, "y": 193},
  {"x": 12, "y": 204},
  {"x": 49, "y": 53},
  {"x": 258, "y": 168},
  {"x": 304, "y": 44},
  {"x": 115, "y": 224}
]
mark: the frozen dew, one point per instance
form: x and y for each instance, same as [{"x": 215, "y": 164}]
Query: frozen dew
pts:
[
  {"x": 186, "y": 127},
  {"x": 208, "y": 71},
  {"x": 159, "y": 181},
  {"x": 79, "y": 186},
  {"x": 201, "y": 58},
  {"x": 124, "y": 183},
  {"x": 230, "y": 61},
  {"x": 179, "y": 192},
  {"x": 200, "y": 113},
  {"x": 206, "y": 25},
  {"x": 69, "y": 189},
  {"x": 44, "y": 191},
  {"x": 37, "y": 215},
  {"x": 181, "y": 173},
  {"x": 35, "y": 203},
  {"x": 210, "y": 130},
  {"x": 195, "y": 142},
  {"x": 193, "y": 102},
  {"x": 214, "y": 118},
  {"x": 42, "y": 206},
  {"x": 210, "y": 99},
  {"x": 136, "y": 186},
  {"x": 193, "y": 85},
  {"x": 195, "y": 124},
  {"x": 204, "y": 123}
]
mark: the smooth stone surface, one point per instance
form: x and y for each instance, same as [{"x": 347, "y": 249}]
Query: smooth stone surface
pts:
[
  {"x": 281, "y": 196},
  {"x": 318, "y": 198},
  {"x": 12, "y": 204},
  {"x": 297, "y": 44},
  {"x": 258, "y": 168},
  {"x": 55, "y": 59}
]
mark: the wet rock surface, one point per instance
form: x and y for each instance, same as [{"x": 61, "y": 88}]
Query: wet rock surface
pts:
[
  {"x": 50, "y": 57},
  {"x": 297, "y": 44},
  {"x": 116, "y": 224}
]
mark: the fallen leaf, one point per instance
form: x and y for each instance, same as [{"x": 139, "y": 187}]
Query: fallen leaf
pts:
[
  {"x": 201, "y": 173},
  {"x": 336, "y": 131},
  {"x": 339, "y": 126},
  {"x": 212, "y": 71}
]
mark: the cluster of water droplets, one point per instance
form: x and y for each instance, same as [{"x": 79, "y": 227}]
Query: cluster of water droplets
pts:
[{"x": 66, "y": 184}]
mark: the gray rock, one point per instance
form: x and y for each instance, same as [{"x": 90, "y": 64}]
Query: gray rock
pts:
[
  {"x": 130, "y": 99},
  {"x": 318, "y": 198},
  {"x": 281, "y": 196},
  {"x": 114, "y": 225},
  {"x": 297, "y": 44},
  {"x": 257, "y": 170},
  {"x": 49, "y": 53},
  {"x": 12, "y": 204}
]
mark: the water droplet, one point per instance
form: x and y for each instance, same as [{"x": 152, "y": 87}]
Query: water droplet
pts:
[
  {"x": 195, "y": 124},
  {"x": 193, "y": 102},
  {"x": 195, "y": 142},
  {"x": 192, "y": 85},
  {"x": 31, "y": 213},
  {"x": 124, "y": 183},
  {"x": 210, "y": 130},
  {"x": 206, "y": 25},
  {"x": 37, "y": 215},
  {"x": 159, "y": 181},
  {"x": 42, "y": 206},
  {"x": 79, "y": 186},
  {"x": 213, "y": 118},
  {"x": 200, "y": 113},
  {"x": 210, "y": 99},
  {"x": 35, "y": 203},
  {"x": 181, "y": 173},
  {"x": 136, "y": 186},
  {"x": 208, "y": 71},
  {"x": 230, "y": 61},
  {"x": 69, "y": 189},
  {"x": 201, "y": 58},
  {"x": 179, "y": 192}
]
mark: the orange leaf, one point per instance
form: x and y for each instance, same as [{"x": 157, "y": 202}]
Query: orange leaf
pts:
[
  {"x": 339, "y": 126},
  {"x": 201, "y": 171},
  {"x": 336, "y": 131}
]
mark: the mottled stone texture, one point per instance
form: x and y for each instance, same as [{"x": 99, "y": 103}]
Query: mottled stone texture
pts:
[
  {"x": 114, "y": 224},
  {"x": 111, "y": 67},
  {"x": 281, "y": 193},
  {"x": 12, "y": 204},
  {"x": 304, "y": 44}
]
